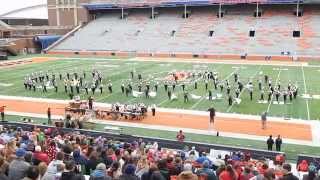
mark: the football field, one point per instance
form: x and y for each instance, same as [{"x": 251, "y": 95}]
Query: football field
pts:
[{"x": 117, "y": 71}]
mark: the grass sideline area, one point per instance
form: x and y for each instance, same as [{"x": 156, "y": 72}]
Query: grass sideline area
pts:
[
  {"x": 291, "y": 150},
  {"x": 118, "y": 72}
]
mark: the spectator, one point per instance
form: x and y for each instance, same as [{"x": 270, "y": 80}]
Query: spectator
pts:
[
  {"x": 153, "y": 173},
  {"x": 187, "y": 175},
  {"x": 303, "y": 166},
  {"x": 92, "y": 162},
  {"x": 80, "y": 160},
  {"x": 162, "y": 165},
  {"x": 70, "y": 172},
  {"x": 203, "y": 158},
  {"x": 142, "y": 166},
  {"x": 32, "y": 173},
  {"x": 287, "y": 174},
  {"x": 114, "y": 171},
  {"x": 310, "y": 176},
  {"x": 100, "y": 173},
  {"x": 180, "y": 136},
  {"x": 18, "y": 167},
  {"x": 278, "y": 143},
  {"x": 3, "y": 168},
  {"x": 42, "y": 169},
  {"x": 270, "y": 143},
  {"x": 228, "y": 174},
  {"x": 207, "y": 171},
  {"x": 53, "y": 167},
  {"x": 52, "y": 150},
  {"x": 247, "y": 173},
  {"x": 129, "y": 173},
  {"x": 39, "y": 156}
]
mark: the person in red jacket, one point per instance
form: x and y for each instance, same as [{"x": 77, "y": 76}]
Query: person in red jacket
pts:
[
  {"x": 180, "y": 136},
  {"x": 39, "y": 156},
  {"x": 228, "y": 174},
  {"x": 303, "y": 166}
]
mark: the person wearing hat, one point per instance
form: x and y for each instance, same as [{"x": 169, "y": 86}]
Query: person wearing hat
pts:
[
  {"x": 129, "y": 173},
  {"x": 206, "y": 171},
  {"x": 39, "y": 156},
  {"x": 18, "y": 166},
  {"x": 100, "y": 173}
]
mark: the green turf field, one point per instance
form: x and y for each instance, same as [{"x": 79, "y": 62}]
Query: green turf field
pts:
[{"x": 118, "y": 71}]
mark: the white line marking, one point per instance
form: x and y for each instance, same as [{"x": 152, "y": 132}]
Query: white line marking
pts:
[
  {"x": 272, "y": 93},
  {"x": 305, "y": 92}
]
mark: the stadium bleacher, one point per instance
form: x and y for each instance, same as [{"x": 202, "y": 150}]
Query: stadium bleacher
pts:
[{"x": 273, "y": 32}]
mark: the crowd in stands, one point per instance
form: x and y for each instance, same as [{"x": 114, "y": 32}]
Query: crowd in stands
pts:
[{"x": 35, "y": 154}]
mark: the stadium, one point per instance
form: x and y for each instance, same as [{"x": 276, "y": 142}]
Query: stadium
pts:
[{"x": 144, "y": 89}]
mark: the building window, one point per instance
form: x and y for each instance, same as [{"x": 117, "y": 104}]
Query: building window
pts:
[{"x": 72, "y": 2}]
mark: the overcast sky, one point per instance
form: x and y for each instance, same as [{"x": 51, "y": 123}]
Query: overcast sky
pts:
[{"x": 10, "y": 5}]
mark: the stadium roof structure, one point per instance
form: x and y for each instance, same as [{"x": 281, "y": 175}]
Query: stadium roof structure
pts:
[
  {"x": 30, "y": 9},
  {"x": 113, "y": 4}
]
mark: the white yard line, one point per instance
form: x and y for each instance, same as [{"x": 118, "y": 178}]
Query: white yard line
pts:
[
  {"x": 305, "y": 91},
  {"x": 272, "y": 93},
  {"x": 229, "y": 109}
]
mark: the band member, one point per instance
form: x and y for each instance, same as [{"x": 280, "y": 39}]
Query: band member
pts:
[
  {"x": 215, "y": 84},
  {"x": 34, "y": 86},
  {"x": 153, "y": 109},
  {"x": 66, "y": 86},
  {"x": 261, "y": 95},
  {"x": 185, "y": 97},
  {"x": 212, "y": 114},
  {"x": 195, "y": 85},
  {"x": 206, "y": 85},
  {"x": 110, "y": 87},
  {"x": 230, "y": 100},
  {"x": 221, "y": 86},
  {"x": 60, "y": 76},
  {"x": 90, "y": 102},
  {"x": 237, "y": 92},
  {"x": 127, "y": 90},
  {"x": 77, "y": 86},
  {"x": 290, "y": 96},
  {"x": 75, "y": 75},
  {"x": 240, "y": 85},
  {"x": 277, "y": 95},
  {"x": 173, "y": 86},
  {"x": 228, "y": 89},
  {"x": 139, "y": 76},
  {"x": 55, "y": 88},
  {"x": 295, "y": 92},
  {"x": 84, "y": 74},
  {"x": 122, "y": 88},
  {"x": 269, "y": 95},
  {"x": 148, "y": 86},
  {"x": 86, "y": 87},
  {"x": 260, "y": 85},
  {"x": 71, "y": 87},
  {"x": 266, "y": 79},
  {"x": 101, "y": 88},
  {"x": 285, "y": 94},
  {"x": 146, "y": 92},
  {"x": 93, "y": 88},
  {"x": 44, "y": 87},
  {"x": 25, "y": 83},
  {"x": 2, "y": 112},
  {"x": 131, "y": 74},
  {"x": 156, "y": 86},
  {"x": 140, "y": 87},
  {"x": 251, "y": 93},
  {"x": 68, "y": 75},
  {"x": 169, "y": 94},
  {"x": 264, "y": 120},
  {"x": 165, "y": 86},
  {"x": 183, "y": 86},
  {"x": 81, "y": 81},
  {"x": 235, "y": 77},
  {"x": 210, "y": 95}
]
